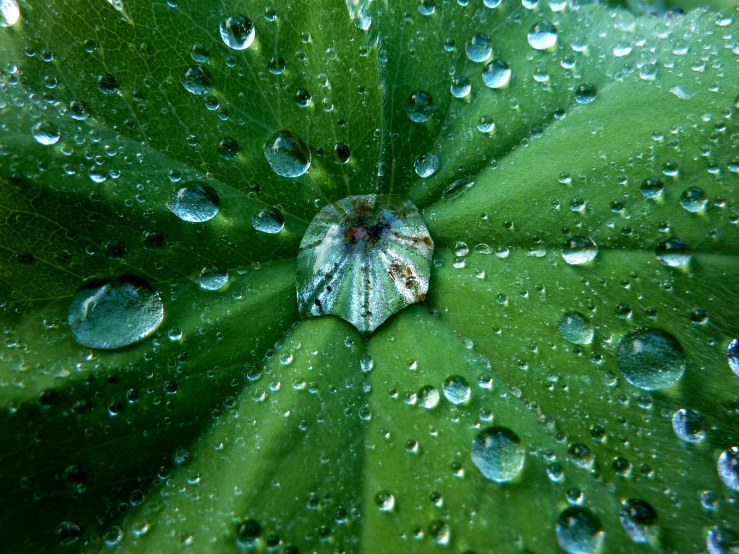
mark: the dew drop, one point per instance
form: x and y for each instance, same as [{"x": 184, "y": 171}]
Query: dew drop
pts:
[
  {"x": 426, "y": 165},
  {"x": 693, "y": 199},
  {"x": 688, "y": 425},
  {"x": 652, "y": 188},
  {"x": 287, "y": 154},
  {"x": 419, "y": 106},
  {"x": 112, "y": 313},
  {"x": 195, "y": 203},
  {"x": 429, "y": 397},
  {"x": 497, "y": 74},
  {"x": 107, "y": 84},
  {"x": 461, "y": 87},
  {"x": 268, "y": 220},
  {"x": 722, "y": 540},
  {"x": 197, "y": 80},
  {"x": 673, "y": 252},
  {"x": 639, "y": 520},
  {"x": 237, "y": 32},
  {"x": 498, "y": 453},
  {"x": 211, "y": 278},
  {"x": 728, "y": 467},
  {"x": 46, "y": 133},
  {"x": 732, "y": 356},
  {"x": 79, "y": 110},
  {"x": 651, "y": 359},
  {"x": 579, "y": 250},
  {"x": 426, "y": 7},
  {"x": 385, "y": 501},
  {"x": 585, "y": 93},
  {"x": 543, "y": 35},
  {"x": 10, "y": 13},
  {"x": 579, "y": 531},
  {"x": 576, "y": 328},
  {"x": 456, "y": 390},
  {"x": 479, "y": 48},
  {"x": 486, "y": 124}
]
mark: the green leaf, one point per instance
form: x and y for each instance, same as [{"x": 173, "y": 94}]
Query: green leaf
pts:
[{"x": 571, "y": 351}]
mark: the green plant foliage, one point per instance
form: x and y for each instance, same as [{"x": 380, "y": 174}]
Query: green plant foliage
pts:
[{"x": 566, "y": 382}]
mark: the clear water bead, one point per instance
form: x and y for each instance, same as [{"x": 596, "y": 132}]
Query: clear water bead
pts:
[
  {"x": 579, "y": 531},
  {"x": 651, "y": 359},
  {"x": 112, "y": 313},
  {"x": 498, "y": 453},
  {"x": 543, "y": 35},
  {"x": 287, "y": 154},
  {"x": 363, "y": 258},
  {"x": 196, "y": 202},
  {"x": 237, "y": 32}
]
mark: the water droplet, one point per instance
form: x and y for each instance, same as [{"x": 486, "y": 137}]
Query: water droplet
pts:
[
  {"x": 639, "y": 520},
  {"x": 486, "y": 124},
  {"x": 67, "y": 532},
  {"x": 579, "y": 250},
  {"x": 10, "y": 13},
  {"x": 276, "y": 65},
  {"x": 491, "y": 3},
  {"x": 268, "y": 220},
  {"x": 195, "y": 203},
  {"x": 497, "y": 74},
  {"x": 498, "y": 453},
  {"x": 112, "y": 313},
  {"x": 429, "y": 397},
  {"x": 673, "y": 252},
  {"x": 440, "y": 533},
  {"x": 287, "y": 154},
  {"x": 419, "y": 106},
  {"x": 728, "y": 467},
  {"x": 579, "y": 531},
  {"x": 362, "y": 259},
  {"x": 722, "y": 540},
  {"x": 426, "y": 165},
  {"x": 211, "y": 278},
  {"x": 228, "y": 148},
  {"x": 237, "y": 32},
  {"x": 651, "y": 359},
  {"x": 426, "y": 7},
  {"x": 457, "y": 187},
  {"x": 688, "y": 425},
  {"x": 479, "y": 48},
  {"x": 543, "y": 35},
  {"x": 248, "y": 533},
  {"x": 46, "y": 133},
  {"x": 576, "y": 328},
  {"x": 581, "y": 455},
  {"x": 197, "y": 80},
  {"x": 303, "y": 98},
  {"x": 585, "y": 93},
  {"x": 732, "y": 356},
  {"x": 456, "y": 390},
  {"x": 199, "y": 53},
  {"x": 460, "y": 87},
  {"x": 652, "y": 187},
  {"x": 113, "y": 536},
  {"x": 79, "y": 110},
  {"x": 385, "y": 501},
  {"x": 107, "y": 84}
]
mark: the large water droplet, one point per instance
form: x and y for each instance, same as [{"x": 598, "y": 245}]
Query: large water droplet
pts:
[
  {"x": 426, "y": 165},
  {"x": 461, "y": 87},
  {"x": 728, "y": 467},
  {"x": 287, "y": 154},
  {"x": 585, "y": 93},
  {"x": 579, "y": 250},
  {"x": 456, "y": 390},
  {"x": 576, "y": 328},
  {"x": 211, "y": 278},
  {"x": 673, "y": 252},
  {"x": 498, "y": 453},
  {"x": 479, "y": 48},
  {"x": 722, "y": 540},
  {"x": 237, "y": 32},
  {"x": 197, "y": 80},
  {"x": 688, "y": 425},
  {"x": 639, "y": 520},
  {"x": 419, "y": 106},
  {"x": 732, "y": 356},
  {"x": 651, "y": 358},
  {"x": 268, "y": 220},
  {"x": 693, "y": 199},
  {"x": 195, "y": 203},
  {"x": 497, "y": 74},
  {"x": 10, "y": 13},
  {"x": 46, "y": 133},
  {"x": 579, "y": 531},
  {"x": 112, "y": 313},
  {"x": 543, "y": 35},
  {"x": 363, "y": 258}
]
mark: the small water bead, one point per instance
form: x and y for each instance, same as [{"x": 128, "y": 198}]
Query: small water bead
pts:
[
  {"x": 722, "y": 540},
  {"x": 585, "y": 93},
  {"x": 428, "y": 397},
  {"x": 673, "y": 252},
  {"x": 651, "y": 359},
  {"x": 67, "y": 532},
  {"x": 113, "y": 536},
  {"x": 268, "y": 220},
  {"x": 456, "y": 390},
  {"x": 579, "y": 250},
  {"x": 287, "y": 154},
  {"x": 491, "y": 3},
  {"x": 228, "y": 148},
  {"x": 688, "y": 425},
  {"x": 581, "y": 455},
  {"x": 486, "y": 124},
  {"x": 498, "y": 453},
  {"x": 276, "y": 65},
  {"x": 46, "y": 133},
  {"x": 639, "y": 520},
  {"x": 107, "y": 83},
  {"x": 622, "y": 49},
  {"x": 197, "y": 80},
  {"x": 248, "y": 533},
  {"x": 237, "y": 32},
  {"x": 211, "y": 278},
  {"x": 728, "y": 467},
  {"x": 579, "y": 531},
  {"x": 199, "y": 53},
  {"x": 426, "y": 165},
  {"x": 732, "y": 356},
  {"x": 543, "y": 35},
  {"x": 652, "y": 188},
  {"x": 303, "y": 98},
  {"x": 385, "y": 501},
  {"x": 79, "y": 110},
  {"x": 440, "y": 533},
  {"x": 460, "y": 87},
  {"x": 419, "y": 106},
  {"x": 10, "y": 13},
  {"x": 497, "y": 74},
  {"x": 426, "y": 7},
  {"x": 693, "y": 199},
  {"x": 196, "y": 202},
  {"x": 479, "y": 48},
  {"x": 112, "y": 313},
  {"x": 576, "y": 328}
]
